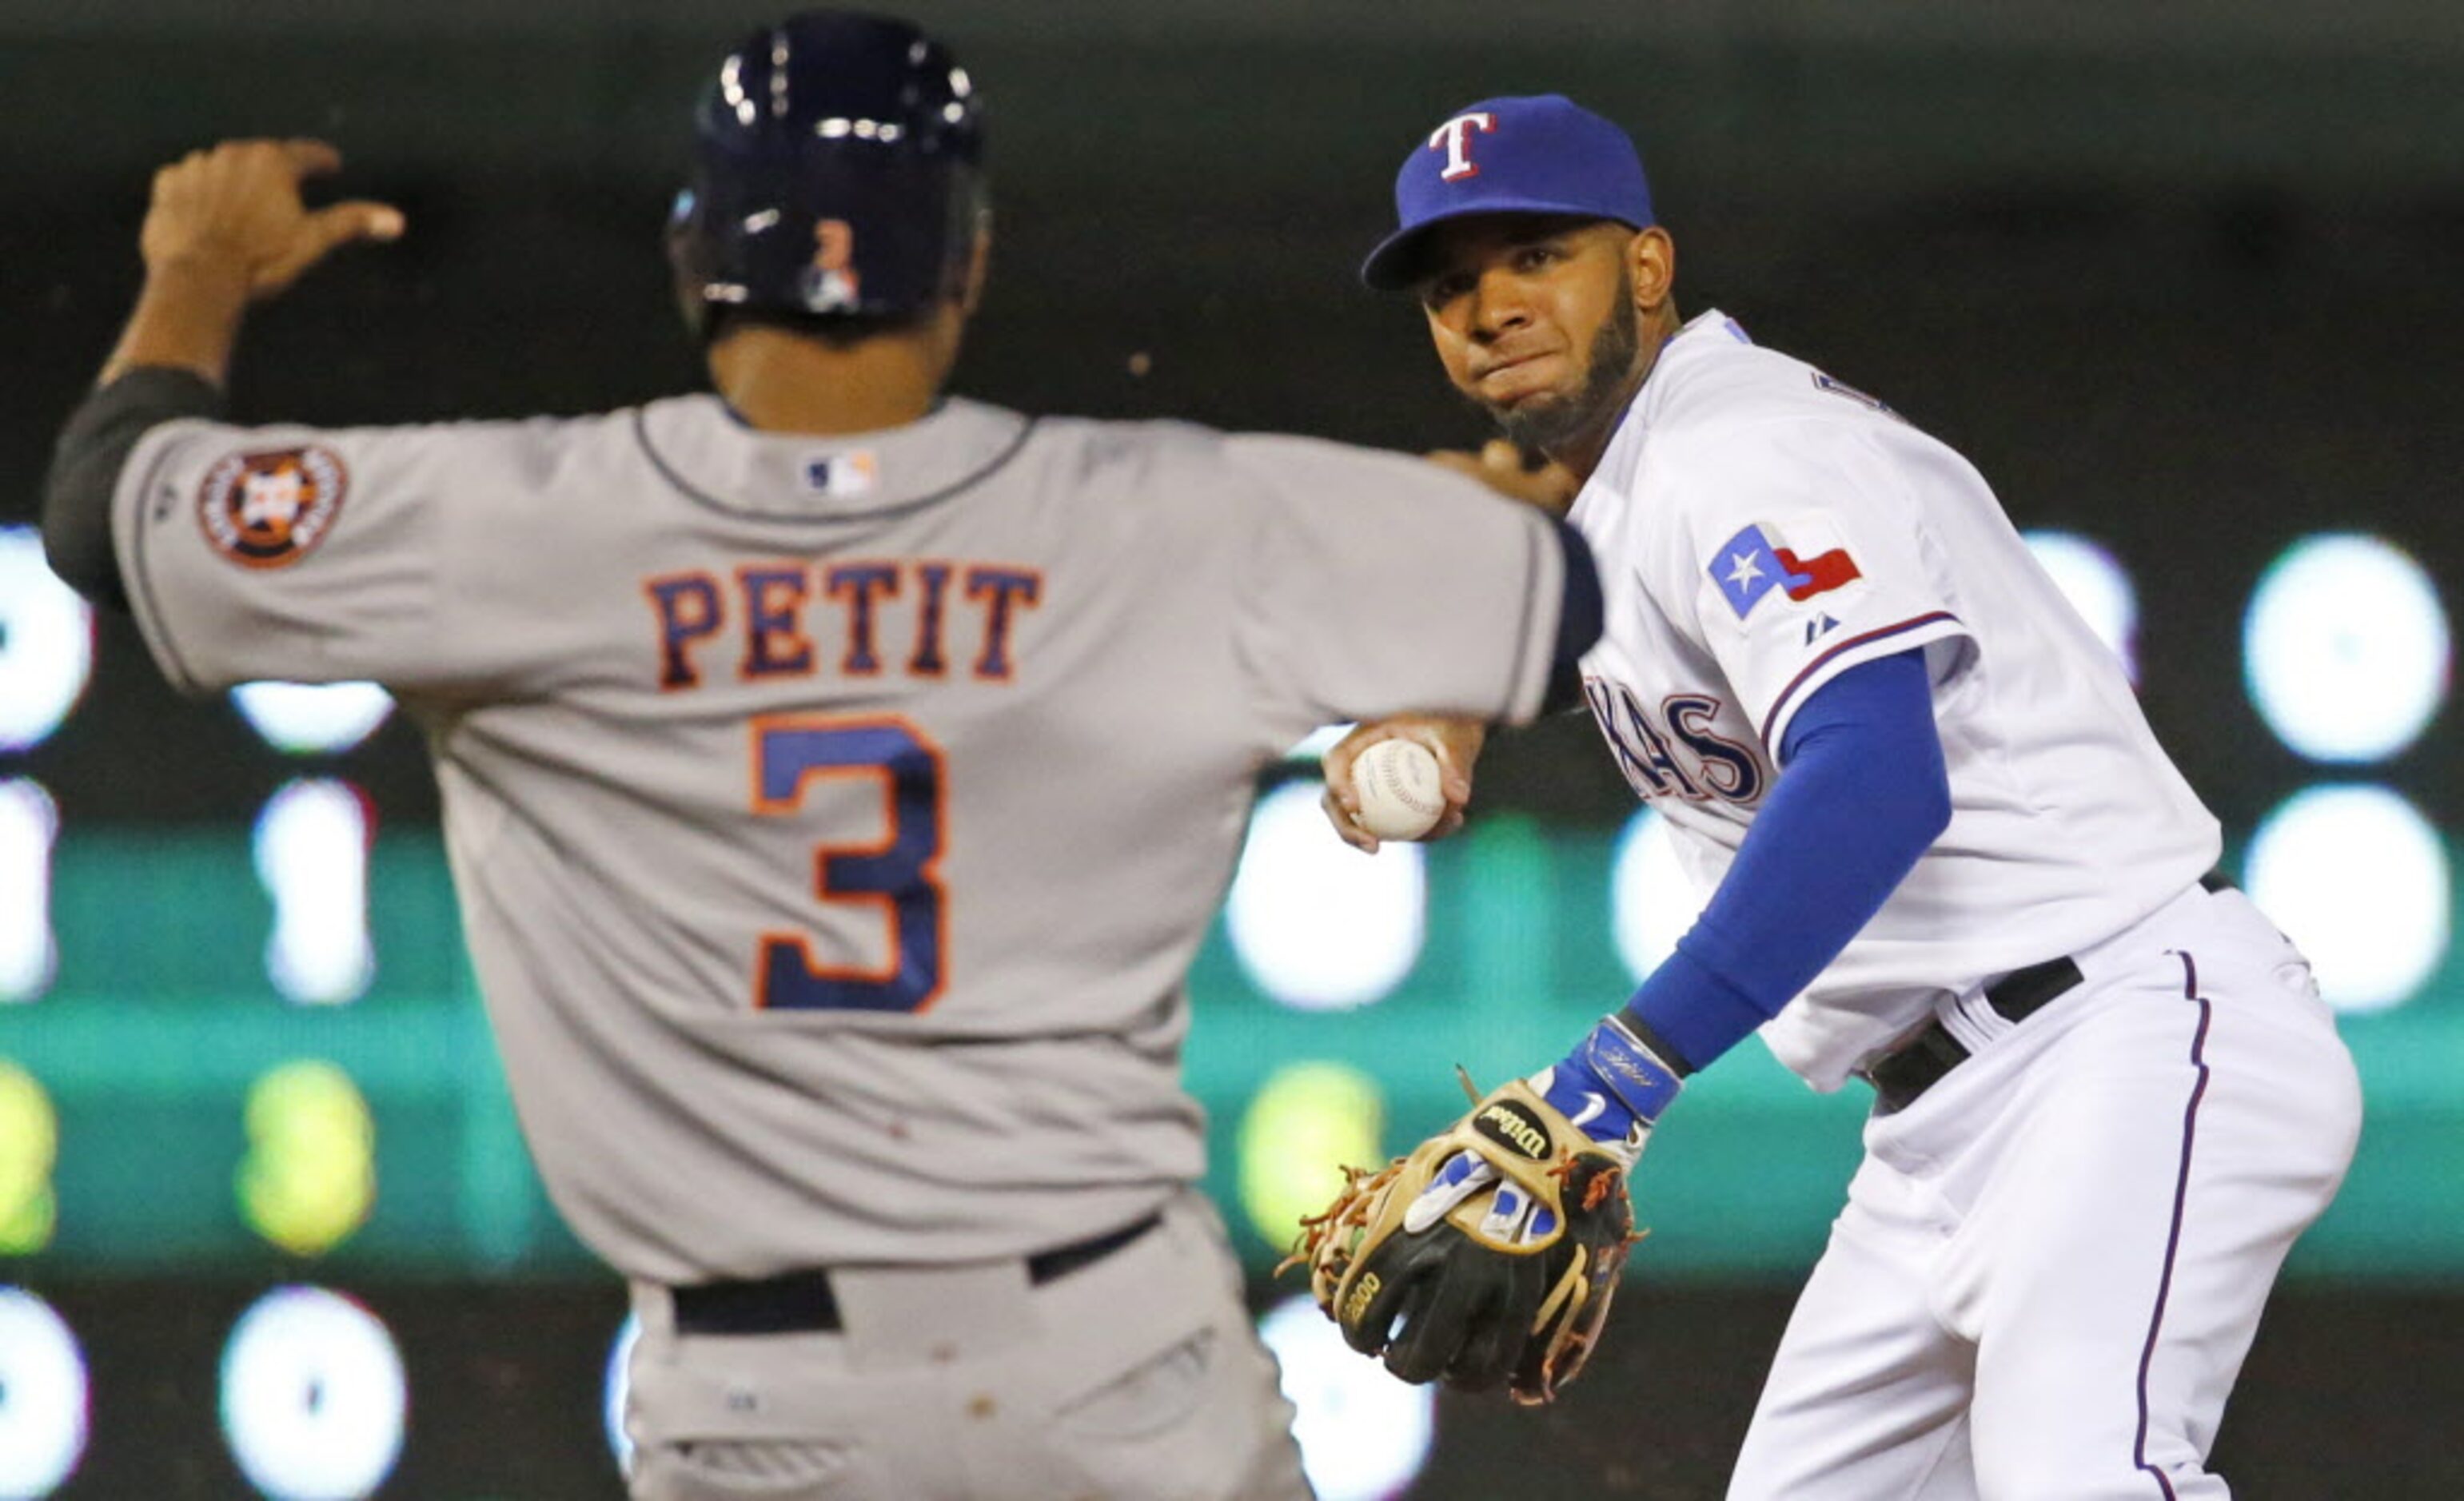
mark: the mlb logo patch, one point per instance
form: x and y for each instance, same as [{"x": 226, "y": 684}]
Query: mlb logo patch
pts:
[
  {"x": 841, "y": 476},
  {"x": 1753, "y": 563}
]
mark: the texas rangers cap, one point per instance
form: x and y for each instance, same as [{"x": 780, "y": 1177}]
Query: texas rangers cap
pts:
[{"x": 1520, "y": 154}]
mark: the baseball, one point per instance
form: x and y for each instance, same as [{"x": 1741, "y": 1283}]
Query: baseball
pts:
[{"x": 1398, "y": 784}]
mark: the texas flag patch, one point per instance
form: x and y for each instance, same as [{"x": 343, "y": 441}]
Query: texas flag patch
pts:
[{"x": 1752, "y": 563}]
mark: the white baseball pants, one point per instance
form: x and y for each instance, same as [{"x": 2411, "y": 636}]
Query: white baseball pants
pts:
[
  {"x": 2052, "y": 1263},
  {"x": 1137, "y": 1377}
]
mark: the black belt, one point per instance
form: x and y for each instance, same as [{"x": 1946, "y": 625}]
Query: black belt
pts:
[
  {"x": 802, "y": 1302},
  {"x": 1918, "y": 1064}
]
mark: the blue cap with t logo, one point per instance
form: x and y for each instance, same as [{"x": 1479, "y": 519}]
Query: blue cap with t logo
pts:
[{"x": 1524, "y": 154}]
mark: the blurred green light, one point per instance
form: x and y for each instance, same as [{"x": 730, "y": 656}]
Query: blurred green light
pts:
[
  {"x": 30, "y": 1141},
  {"x": 309, "y": 1179},
  {"x": 1306, "y": 1123}
]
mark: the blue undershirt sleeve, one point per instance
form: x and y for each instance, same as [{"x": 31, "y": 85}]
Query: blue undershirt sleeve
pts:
[{"x": 1863, "y": 794}]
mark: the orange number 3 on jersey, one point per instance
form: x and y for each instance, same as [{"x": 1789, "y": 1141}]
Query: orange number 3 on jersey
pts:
[{"x": 897, "y": 876}]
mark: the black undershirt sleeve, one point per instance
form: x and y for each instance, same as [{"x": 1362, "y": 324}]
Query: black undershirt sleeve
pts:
[
  {"x": 93, "y": 448},
  {"x": 1580, "y": 620}
]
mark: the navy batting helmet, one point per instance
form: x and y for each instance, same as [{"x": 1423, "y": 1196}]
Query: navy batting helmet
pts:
[{"x": 837, "y": 173}]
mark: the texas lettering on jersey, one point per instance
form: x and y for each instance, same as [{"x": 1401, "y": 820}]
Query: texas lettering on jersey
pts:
[
  {"x": 1670, "y": 751},
  {"x": 947, "y": 611}
]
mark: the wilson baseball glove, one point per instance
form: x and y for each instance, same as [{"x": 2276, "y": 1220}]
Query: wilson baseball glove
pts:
[{"x": 1487, "y": 1255}]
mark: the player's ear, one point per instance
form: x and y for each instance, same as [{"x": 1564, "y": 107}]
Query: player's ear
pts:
[{"x": 1651, "y": 265}]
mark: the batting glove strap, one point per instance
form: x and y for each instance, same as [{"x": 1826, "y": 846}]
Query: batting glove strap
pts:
[
  {"x": 1645, "y": 1081},
  {"x": 1613, "y": 1086}
]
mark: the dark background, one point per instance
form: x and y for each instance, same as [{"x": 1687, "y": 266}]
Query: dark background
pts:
[
  {"x": 2183, "y": 277},
  {"x": 2345, "y": 1397},
  {"x": 2185, "y": 282}
]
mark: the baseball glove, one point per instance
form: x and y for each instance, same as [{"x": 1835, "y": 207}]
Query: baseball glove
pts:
[{"x": 1495, "y": 1245}]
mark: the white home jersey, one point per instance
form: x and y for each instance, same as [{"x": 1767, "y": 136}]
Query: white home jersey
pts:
[
  {"x": 834, "y": 820},
  {"x": 1760, "y": 529}
]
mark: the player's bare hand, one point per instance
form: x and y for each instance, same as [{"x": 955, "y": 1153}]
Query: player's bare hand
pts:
[
  {"x": 1509, "y": 470},
  {"x": 235, "y": 209},
  {"x": 1456, "y": 743}
]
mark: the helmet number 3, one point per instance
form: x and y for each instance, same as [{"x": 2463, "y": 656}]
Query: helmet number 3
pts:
[
  {"x": 831, "y": 283},
  {"x": 895, "y": 876}
]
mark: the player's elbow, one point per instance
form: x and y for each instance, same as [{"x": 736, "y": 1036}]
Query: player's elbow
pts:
[
  {"x": 93, "y": 446},
  {"x": 1924, "y": 803},
  {"x": 77, "y": 525},
  {"x": 1933, "y": 797}
]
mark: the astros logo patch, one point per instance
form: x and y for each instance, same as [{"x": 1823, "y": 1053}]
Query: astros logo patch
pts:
[{"x": 270, "y": 509}]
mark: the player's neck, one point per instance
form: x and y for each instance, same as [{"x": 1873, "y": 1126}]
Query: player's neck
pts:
[
  {"x": 1581, "y": 453},
  {"x": 779, "y": 381}
]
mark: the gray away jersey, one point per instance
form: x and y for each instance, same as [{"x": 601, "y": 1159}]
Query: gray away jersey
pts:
[{"x": 834, "y": 820}]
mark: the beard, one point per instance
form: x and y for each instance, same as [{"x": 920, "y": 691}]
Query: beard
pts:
[{"x": 1545, "y": 423}]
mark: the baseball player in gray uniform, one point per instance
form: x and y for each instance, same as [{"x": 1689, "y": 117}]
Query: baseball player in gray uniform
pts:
[{"x": 833, "y": 935}]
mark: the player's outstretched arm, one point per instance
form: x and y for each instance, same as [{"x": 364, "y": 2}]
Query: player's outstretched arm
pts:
[
  {"x": 1456, "y": 741},
  {"x": 226, "y": 226}
]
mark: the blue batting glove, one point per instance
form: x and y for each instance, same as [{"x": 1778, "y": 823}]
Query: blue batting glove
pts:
[{"x": 1613, "y": 1087}]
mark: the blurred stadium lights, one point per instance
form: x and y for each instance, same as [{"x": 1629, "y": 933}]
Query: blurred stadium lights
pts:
[
  {"x": 29, "y": 1148},
  {"x": 46, "y": 643},
  {"x": 1652, "y": 902},
  {"x": 313, "y": 718},
  {"x": 308, "y": 1178},
  {"x": 1315, "y": 923},
  {"x": 314, "y": 1402},
  {"x": 29, "y": 952},
  {"x": 618, "y": 1384},
  {"x": 2096, "y": 585},
  {"x": 2359, "y": 880},
  {"x": 42, "y": 1396},
  {"x": 2346, "y": 648},
  {"x": 1364, "y": 1435},
  {"x": 1306, "y": 1118},
  {"x": 1312, "y": 747},
  {"x": 312, "y": 844}
]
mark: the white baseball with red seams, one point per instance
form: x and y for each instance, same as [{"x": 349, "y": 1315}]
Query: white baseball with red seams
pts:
[{"x": 1401, "y": 791}]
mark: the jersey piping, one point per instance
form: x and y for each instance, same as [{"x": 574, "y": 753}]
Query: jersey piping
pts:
[
  {"x": 1804, "y": 674},
  {"x": 703, "y": 499}
]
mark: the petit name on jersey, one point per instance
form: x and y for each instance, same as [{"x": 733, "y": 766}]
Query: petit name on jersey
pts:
[{"x": 926, "y": 618}]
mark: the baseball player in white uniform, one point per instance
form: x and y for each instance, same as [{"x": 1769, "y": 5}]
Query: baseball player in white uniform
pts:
[
  {"x": 833, "y": 933},
  {"x": 1944, "y": 855}
]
